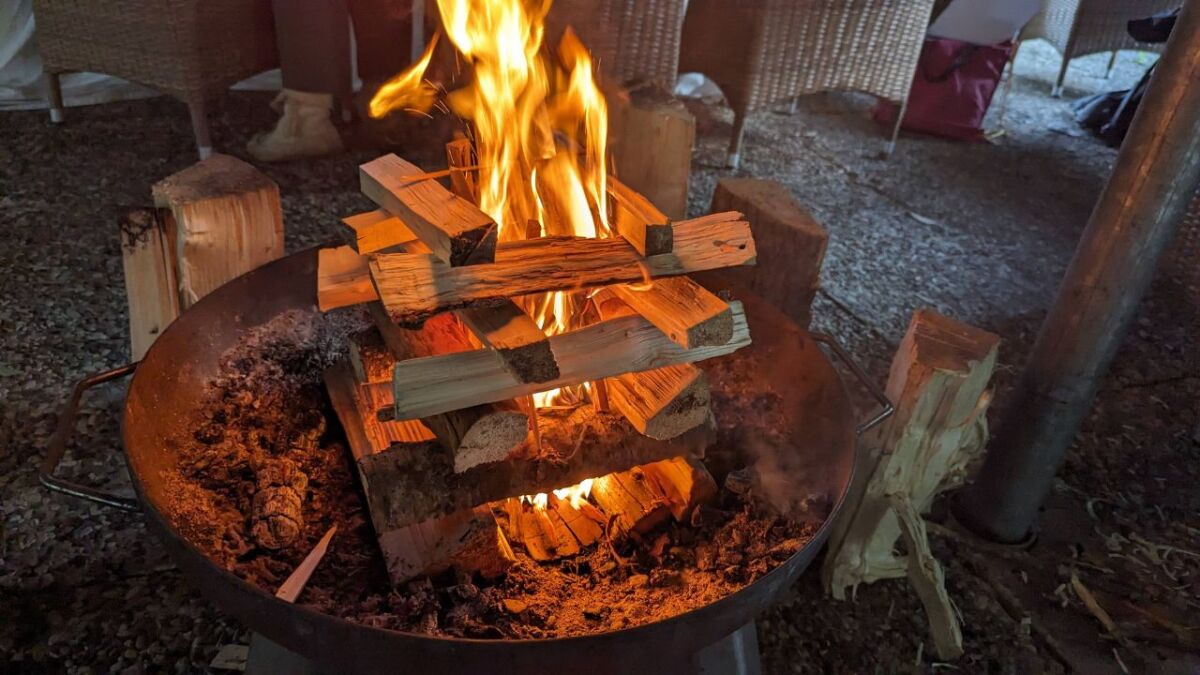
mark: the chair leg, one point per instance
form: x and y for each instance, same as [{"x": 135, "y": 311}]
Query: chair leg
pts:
[
  {"x": 735, "y": 144},
  {"x": 1112, "y": 61},
  {"x": 891, "y": 145},
  {"x": 1057, "y": 91},
  {"x": 54, "y": 93},
  {"x": 200, "y": 128},
  {"x": 793, "y": 104}
]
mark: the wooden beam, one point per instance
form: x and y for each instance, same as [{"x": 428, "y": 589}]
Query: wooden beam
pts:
[
  {"x": 637, "y": 220},
  {"x": 521, "y": 345},
  {"x": 455, "y": 230},
  {"x": 626, "y": 344},
  {"x": 664, "y": 402},
  {"x": 378, "y": 230},
  {"x": 413, "y": 287},
  {"x": 685, "y": 481},
  {"x": 682, "y": 309},
  {"x": 584, "y": 444},
  {"x": 635, "y": 501},
  {"x": 367, "y": 435},
  {"x": 228, "y": 221},
  {"x": 151, "y": 287},
  {"x": 343, "y": 279},
  {"x": 460, "y": 155}
]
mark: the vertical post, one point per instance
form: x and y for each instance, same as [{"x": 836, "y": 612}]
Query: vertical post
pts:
[{"x": 1156, "y": 175}]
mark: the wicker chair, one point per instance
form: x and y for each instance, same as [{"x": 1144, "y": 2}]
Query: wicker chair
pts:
[
  {"x": 189, "y": 49},
  {"x": 763, "y": 52},
  {"x": 631, "y": 40},
  {"x": 1081, "y": 27}
]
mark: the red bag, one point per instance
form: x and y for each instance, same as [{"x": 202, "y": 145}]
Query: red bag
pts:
[{"x": 952, "y": 89}]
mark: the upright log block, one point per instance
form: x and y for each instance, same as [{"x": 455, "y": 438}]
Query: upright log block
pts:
[
  {"x": 652, "y": 148},
  {"x": 791, "y": 243},
  {"x": 148, "y": 257},
  {"x": 227, "y": 221}
]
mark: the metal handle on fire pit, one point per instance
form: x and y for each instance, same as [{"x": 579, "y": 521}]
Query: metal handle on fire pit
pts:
[
  {"x": 62, "y": 434},
  {"x": 886, "y": 406}
]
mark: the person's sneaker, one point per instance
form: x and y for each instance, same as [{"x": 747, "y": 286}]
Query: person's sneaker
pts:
[{"x": 304, "y": 130}]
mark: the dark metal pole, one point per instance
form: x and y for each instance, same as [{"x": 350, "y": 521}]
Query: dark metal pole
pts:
[{"x": 1155, "y": 177}]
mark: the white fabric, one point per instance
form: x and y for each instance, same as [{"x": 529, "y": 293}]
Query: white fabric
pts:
[{"x": 984, "y": 22}]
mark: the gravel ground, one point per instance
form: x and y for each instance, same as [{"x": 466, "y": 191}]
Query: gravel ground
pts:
[{"x": 982, "y": 232}]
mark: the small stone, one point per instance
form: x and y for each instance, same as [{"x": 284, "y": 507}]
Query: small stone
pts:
[
  {"x": 606, "y": 567},
  {"x": 595, "y": 612},
  {"x": 661, "y": 578},
  {"x": 639, "y": 580},
  {"x": 513, "y": 606}
]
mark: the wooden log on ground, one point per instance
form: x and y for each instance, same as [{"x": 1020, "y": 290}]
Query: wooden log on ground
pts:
[
  {"x": 686, "y": 483},
  {"x": 227, "y": 221},
  {"x": 343, "y": 279},
  {"x": 637, "y": 220},
  {"x": 516, "y": 338},
  {"x": 664, "y": 402},
  {"x": 938, "y": 382},
  {"x": 460, "y": 155},
  {"x": 455, "y": 230},
  {"x": 578, "y": 445},
  {"x": 791, "y": 241},
  {"x": 474, "y": 434},
  {"x": 635, "y": 501},
  {"x": 468, "y": 539},
  {"x": 151, "y": 287},
  {"x": 613, "y": 347},
  {"x": 413, "y": 287},
  {"x": 652, "y": 141},
  {"x": 378, "y": 230},
  {"x": 682, "y": 309}
]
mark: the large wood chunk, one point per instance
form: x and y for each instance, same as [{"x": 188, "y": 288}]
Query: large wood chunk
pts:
[
  {"x": 413, "y": 287},
  {"x": 148, "y": 257},
  {"x": 228, "y": 221},
  {"x": 455, "y": 230},
  {"x": 625, "y": 344},
  {"x": 652, "y": 141},
  {"x": 686, "y": 483},
  {"x": 637, "y": 220},
  {"x": 343, "y": 279},
  {"x": 521, "y": 345},
  {"x": 468, "y": 540},
  {"x": 635, "y": 501},
  {"x": 682, "y": 309},
  {"x": 791, "y": 241},
  {"x": 377, "y": 230},
  {"x": 579, "y": 444},
  {"x": 664, "y": 402}
]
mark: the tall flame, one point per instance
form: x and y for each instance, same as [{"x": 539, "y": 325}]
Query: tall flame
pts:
[{"x": 540, "y": 124}]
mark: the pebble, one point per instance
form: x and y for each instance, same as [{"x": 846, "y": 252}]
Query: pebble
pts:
[
  {"x": 638, "y": 580},
  {"x": 513, "y": 606}
]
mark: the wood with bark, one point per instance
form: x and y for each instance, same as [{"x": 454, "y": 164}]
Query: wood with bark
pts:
[
  {"x": 343, "y": 279},
  {"x": 651, "y": 140},
  {"x": 578, "y": 445},
  {"x": 369, "y": 357},
  {"x": 516, "y": 338},
  {"x": 664, "y": 402},
  {"x": 686, "y": 483},
  {"x": 468, "y": 539},
  {"x": 634, "y": 500},
  {"x": 227, "y": 221},
  {"x": 414, "y": 286},
  {"x": 151, "y": 287},
  {"x": 938, "y": 382},
  {"x": 637, "y": 220},
  {"x": 684, "y": 310},
  {"x": 792, "y": 244},
  {"x": 464, "y": 181},
  {"x": 454, "y": 229},
  {"x": 474, "y": 434},
  {"x": 378, "y": 230},
  {"x": 613, "y": 347}
]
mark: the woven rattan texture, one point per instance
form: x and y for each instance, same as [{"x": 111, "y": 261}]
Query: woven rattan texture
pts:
[{"x": 1080, "y": 27}]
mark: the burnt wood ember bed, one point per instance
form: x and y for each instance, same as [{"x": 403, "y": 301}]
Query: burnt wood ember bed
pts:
[{"x": 620, "y": 604}]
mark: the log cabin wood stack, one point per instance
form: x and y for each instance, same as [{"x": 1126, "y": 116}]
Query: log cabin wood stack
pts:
[{"x": 436, "y": 398}]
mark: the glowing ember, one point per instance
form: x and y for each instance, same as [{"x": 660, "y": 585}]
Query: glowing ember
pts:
[{"x": 540, "y": 130}]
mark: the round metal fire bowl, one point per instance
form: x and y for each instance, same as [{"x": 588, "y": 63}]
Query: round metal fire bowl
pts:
[{"x": 168, "y": 384}]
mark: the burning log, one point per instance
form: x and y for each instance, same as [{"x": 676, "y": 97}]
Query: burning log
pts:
[
  {"x": 625, "y": 344},
  {"x": 474, "y": 434},
  {"x": 557, "y": 530},
  {"x": 414, "y": 286},
  {"x": 686, "y": 483},
  {"x": 227, "y": 221},
  {"x": 637, "y": 503},
  {"x": 148, "y": 258},
  {"x": 469, "y": 540},
  {"x": 684, "y": 310},
  {"x": 580, "y": 445},
  {"x": 463, "y": 181},
  {"x": 516, "y": 338},
  {"x": 664, "y": 402},
  {"x": 455, "y": 230},
  {"x": 378, "y": 230},
  {"x": 641, "y": 224},
  {"x": 343, "y": 279}
]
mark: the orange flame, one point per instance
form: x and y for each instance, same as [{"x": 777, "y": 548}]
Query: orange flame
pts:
[
  {"x": 574, "y": 495},
  {"x": 541, "y": 132}
]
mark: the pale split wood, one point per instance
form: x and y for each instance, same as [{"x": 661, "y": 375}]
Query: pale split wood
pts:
[
  {"x": 455, "y": 230},
  {"x": 151, "y": 287},
  {"x": 291, "y": 587},
  {"x": 469, "y": 540},
  {"x": 559, "y": 530},
  {"x": 685, "y": 481},
  {"x": 460, "y": 155},
  {"x": 664, "y": 402},
  {"x": 378, "y": 230},
  {"x": 625, "y": 344},
  {"x": 652, "y": 140},
  {"x": 684, "y": 310},
  {"x": 928, "y": 579},
  {"x": 636, "y": 502},
  {"x": 516, "y": 338},
  {"x": 637, "y": 220},
  {"x": 414, "y": 286},
  {"x": 228, "y": 221},
  {"x": 343, "y": 279}
]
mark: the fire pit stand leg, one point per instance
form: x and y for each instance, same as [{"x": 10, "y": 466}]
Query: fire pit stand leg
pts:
[
  {"x": 270, "y": 658},
  {"x": 737, "y": 654}
]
